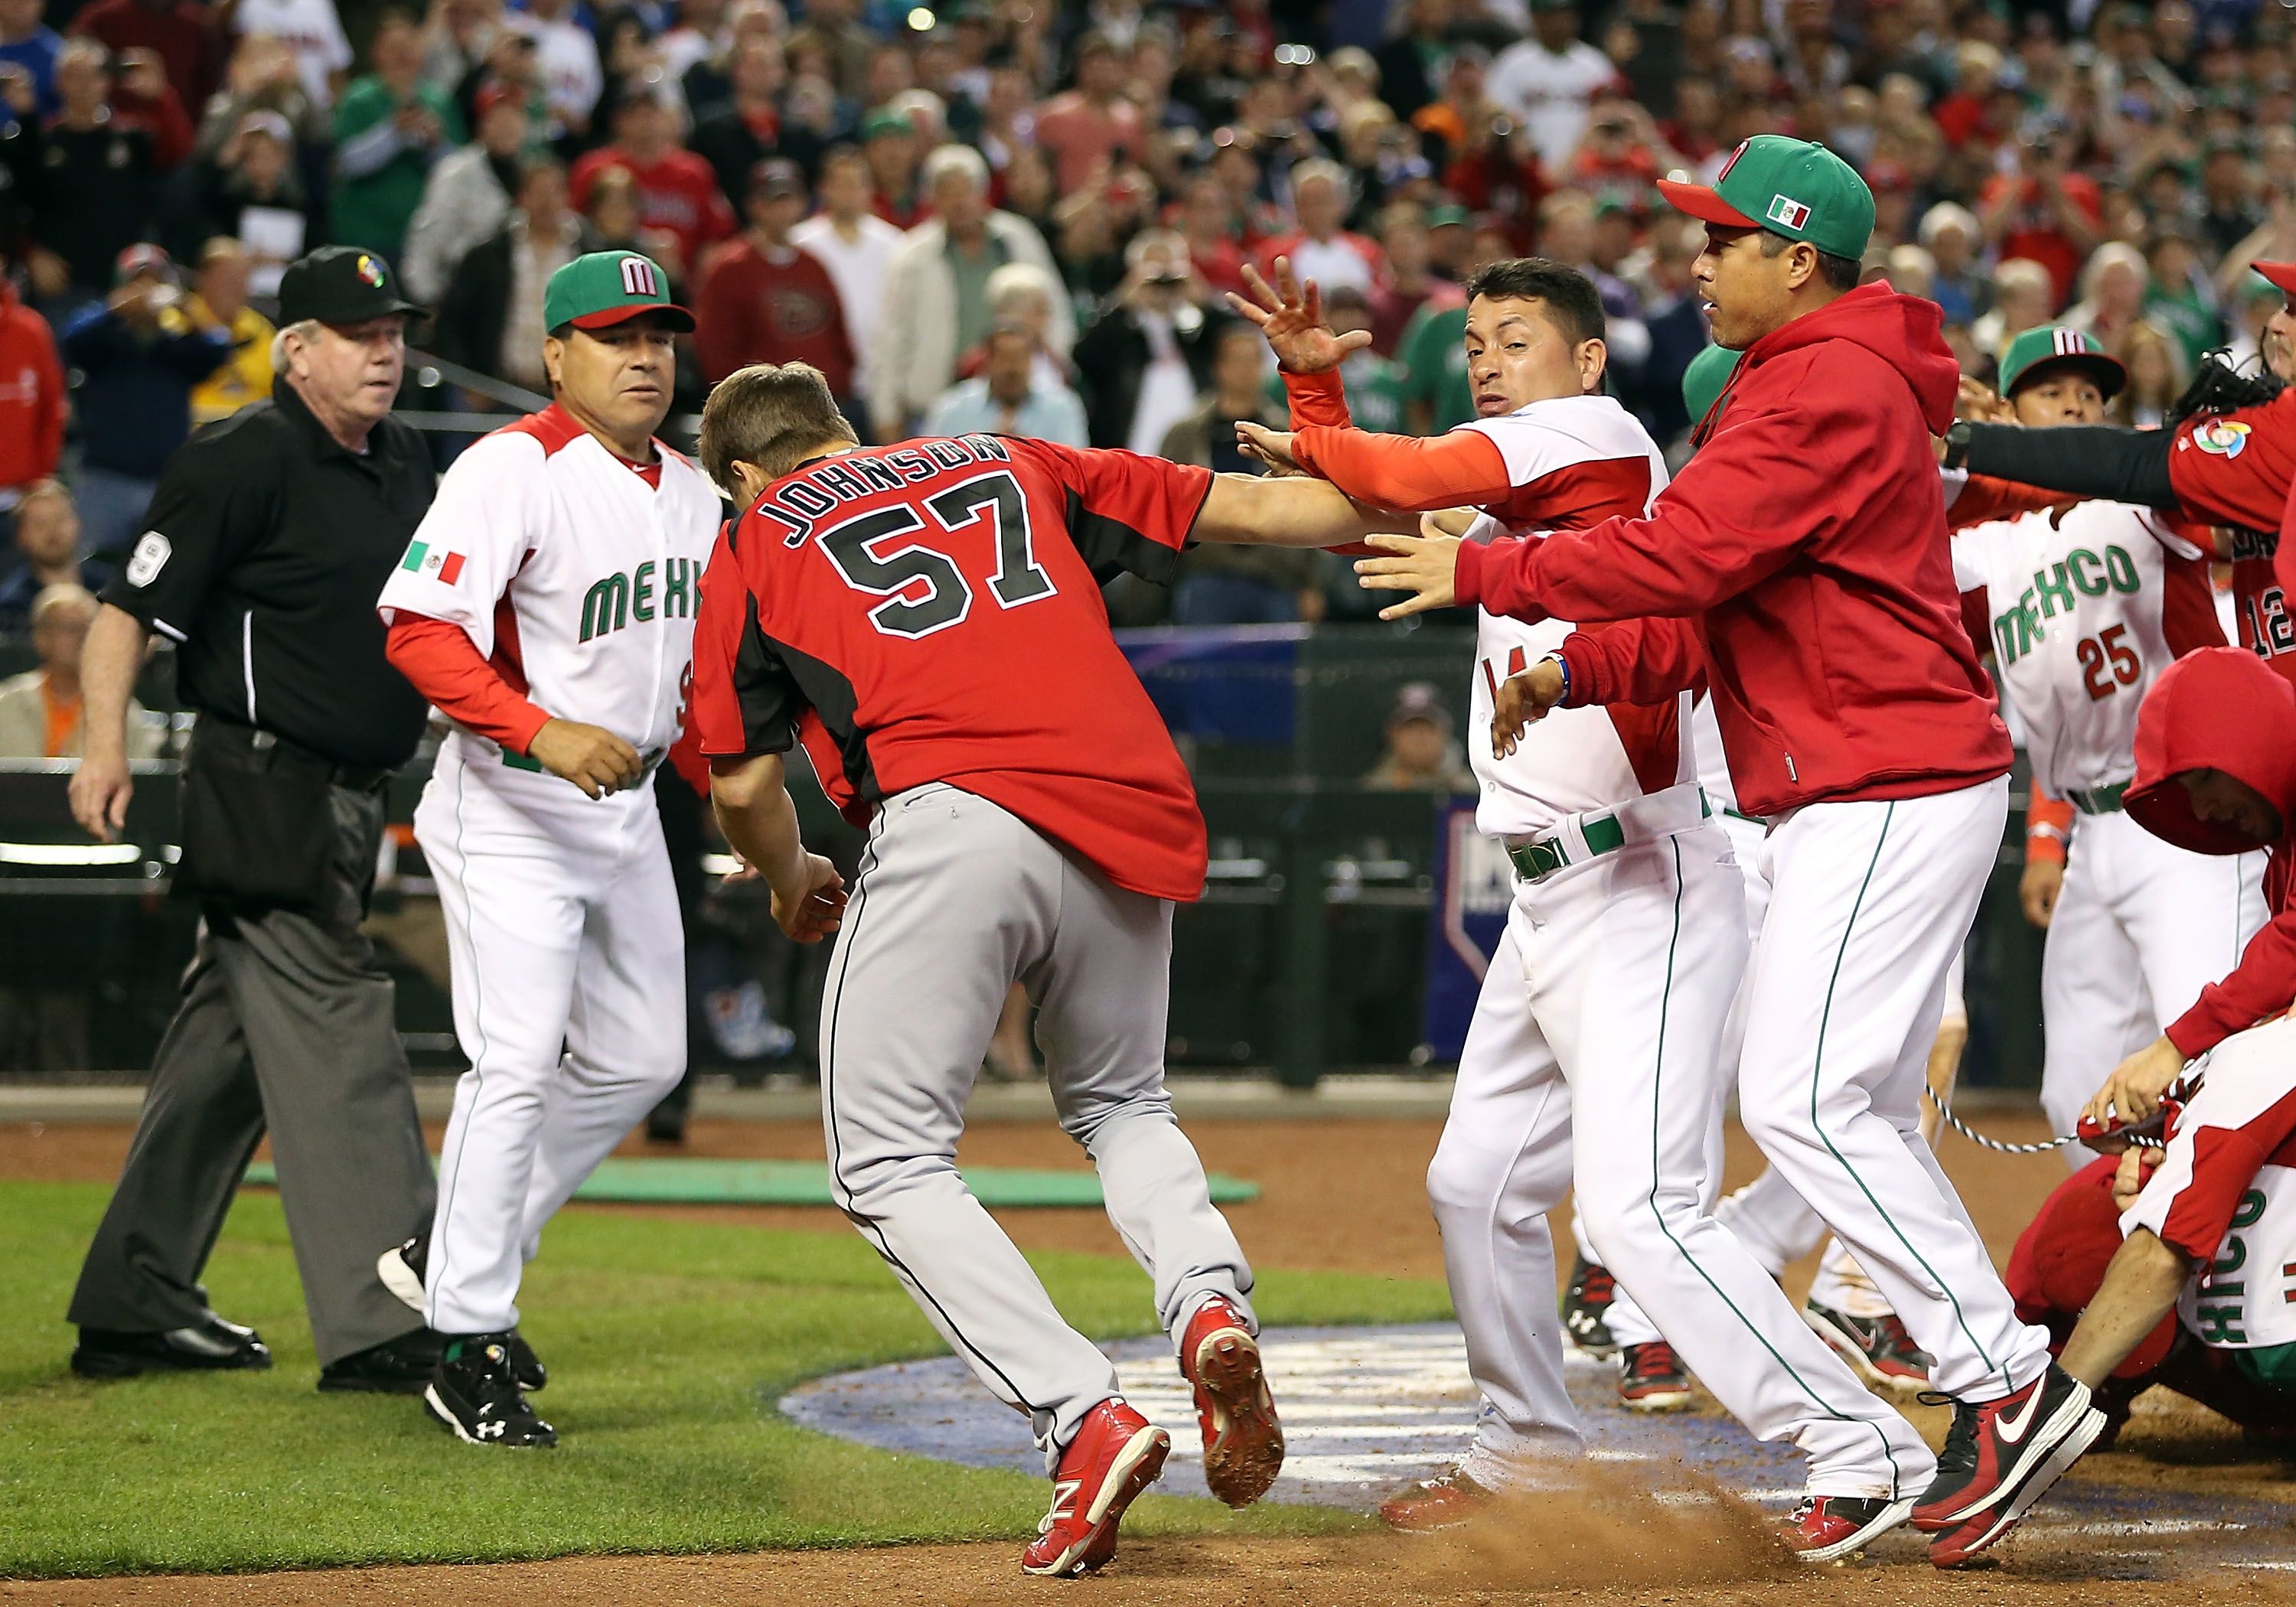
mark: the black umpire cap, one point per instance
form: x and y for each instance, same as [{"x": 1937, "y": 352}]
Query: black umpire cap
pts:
[{"x": 339, "y": 285}]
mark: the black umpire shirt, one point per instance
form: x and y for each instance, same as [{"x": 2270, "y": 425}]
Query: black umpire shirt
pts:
[{"x": 266, "y": 547}]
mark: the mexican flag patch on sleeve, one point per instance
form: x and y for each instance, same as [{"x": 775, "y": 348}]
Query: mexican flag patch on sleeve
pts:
[{"x": 425, "y": 559}]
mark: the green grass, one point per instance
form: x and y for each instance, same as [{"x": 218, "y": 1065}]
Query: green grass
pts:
[{"x": 668, "y": 1344}]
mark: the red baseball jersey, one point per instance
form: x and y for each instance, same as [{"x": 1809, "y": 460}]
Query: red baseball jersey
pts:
[
  {"x": 932, "y": 612},
  {"x": 2234, "y": 468}
]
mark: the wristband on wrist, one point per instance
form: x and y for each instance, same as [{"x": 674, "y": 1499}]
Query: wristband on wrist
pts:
[
  {"x": 1956, "y": 444},
  {"x": 1563, "y": 664}
]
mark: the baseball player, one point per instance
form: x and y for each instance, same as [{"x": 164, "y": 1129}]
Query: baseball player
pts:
[
  {"x": 2230, "y": 1343},
  {"x": 927, "y": 619},
  {"x": 2216, "y": 773},
  {"x": 1801, "y": 563},
  {"x": 1590, "y": 1065},
  {"x": 2227, "y": 468},
  {"x": 547, "y": 608},
  {"x": 2084, "y": 607}
]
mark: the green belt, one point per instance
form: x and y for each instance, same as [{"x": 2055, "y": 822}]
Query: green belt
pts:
[
  {"x": 514, "y": 760},
  {"x": 2097, "y": 800},
  {"x": 1534, "y": 860}
]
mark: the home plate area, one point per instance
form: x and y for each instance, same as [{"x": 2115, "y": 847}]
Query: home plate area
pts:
[{"x": 1367, "y": 1410}]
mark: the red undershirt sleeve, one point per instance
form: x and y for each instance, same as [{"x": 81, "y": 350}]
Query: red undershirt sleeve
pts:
[
  {"x": 1462, "y": 469},
  {"x": 440, "y": 661}
]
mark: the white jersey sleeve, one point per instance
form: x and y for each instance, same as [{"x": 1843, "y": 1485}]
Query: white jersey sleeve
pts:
[{"x": 482, "y": 528}]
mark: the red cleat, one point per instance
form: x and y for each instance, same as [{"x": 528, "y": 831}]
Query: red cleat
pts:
[
  {"x": 1436, "y": 1503},
  {"x": 1244, "y": 1442},
  {"x": 2000, "y": 1457},
  {"x": 1650, "y": 1378},
  {"x": 1114, "y": 1456},
  {"x": 1825, "y": 1528}
]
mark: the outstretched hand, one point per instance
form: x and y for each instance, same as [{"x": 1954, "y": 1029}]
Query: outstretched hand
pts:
[
  {"x": 1292, "y": 319},
  {"x": 1272, "y": 447},
  {"x": 1422, "y": 566}
]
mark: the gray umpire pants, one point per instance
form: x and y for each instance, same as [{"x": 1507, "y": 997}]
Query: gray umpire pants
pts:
[
  {"x": 957, "y": 900},
  {"x": 286, "y": 1024}
]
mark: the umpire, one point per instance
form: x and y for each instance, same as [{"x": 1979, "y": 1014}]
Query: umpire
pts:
[{"x": 267, "y": 541}]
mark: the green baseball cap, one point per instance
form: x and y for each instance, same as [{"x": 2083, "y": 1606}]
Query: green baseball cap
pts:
[
  {"x": 886, "y": 120},
  {"x": 2055, "y": 346},
  {"x": 606, "y": 288},
  {"x": 1788, "y": 186},
  {"x": 1705, "y": 380}
]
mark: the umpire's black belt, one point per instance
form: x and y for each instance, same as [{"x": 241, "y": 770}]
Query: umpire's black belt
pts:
[{"x": 279, "y": 753}]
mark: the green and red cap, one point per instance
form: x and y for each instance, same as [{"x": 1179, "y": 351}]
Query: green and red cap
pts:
[
  {"x": 606, "y": 288},
  {"x": 1791, "y": 187},
  {"x": 2054, "y": 346}
]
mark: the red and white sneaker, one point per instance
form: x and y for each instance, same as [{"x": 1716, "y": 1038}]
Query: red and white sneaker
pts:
[
  {"x": 1825, "y": 1528},
  {"x": 1651, "y": 1379},
  {"x": 2000, "y": 1457},
  {"x": 1436, "y": 1503},
  {"x": 1114, "y": 1456},
  {"x": 1244, "y": 1442}
]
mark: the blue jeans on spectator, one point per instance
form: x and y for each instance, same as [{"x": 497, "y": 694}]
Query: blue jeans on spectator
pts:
[
  {"x": 1231, "y": 600},
  {"x": 111, "y": 509}
]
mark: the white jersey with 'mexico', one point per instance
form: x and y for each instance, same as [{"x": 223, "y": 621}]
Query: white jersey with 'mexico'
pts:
[
  {"x": 1587, "y": 453},
  {"x": 577, "y": 578},
  {"x": 2247, "y": 1298},
  {"x": 2086, "y": 607}
]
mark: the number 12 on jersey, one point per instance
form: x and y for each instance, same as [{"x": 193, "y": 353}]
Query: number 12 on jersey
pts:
[{"x": 924, "y": 591}]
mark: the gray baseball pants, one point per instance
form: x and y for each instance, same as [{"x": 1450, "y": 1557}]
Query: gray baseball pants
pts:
[{"x": 958, "y": 899}]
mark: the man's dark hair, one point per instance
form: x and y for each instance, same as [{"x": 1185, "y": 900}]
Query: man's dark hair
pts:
[
  {"x": 1571, "y": 300},
  {"x": 1840, "y": 273}
]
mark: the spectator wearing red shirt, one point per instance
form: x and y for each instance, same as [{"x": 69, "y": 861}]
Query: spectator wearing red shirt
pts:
[
  {"x": 1091, "y": 124},
  {"x": 2044, "y": 210},
  {"x": 677, "y": 193},
  {"x": 767, "y": 301},
  {"x": 31, "y": 399},
  {"x": 1322, "y": 250},
  {"x": 181, "y": 34}
]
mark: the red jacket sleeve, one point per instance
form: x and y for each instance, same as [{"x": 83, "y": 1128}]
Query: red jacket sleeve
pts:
[
  {"x": 440, "y": 661},
  {"x": 2284, "y": 561},
  {"x": 2261, "y": 986},
  {"x": 1719, "y": 529},
  {"x": 48, "y": 408},
  {"x": 1633, "y": 662}
]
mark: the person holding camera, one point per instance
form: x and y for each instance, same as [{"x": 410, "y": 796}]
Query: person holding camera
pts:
[
  {"x": 269, "y": 538},
  {"x": 1144, "y": 357}
]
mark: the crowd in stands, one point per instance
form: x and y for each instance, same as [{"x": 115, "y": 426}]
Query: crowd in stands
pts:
[{"x": 1020, "y": 216}]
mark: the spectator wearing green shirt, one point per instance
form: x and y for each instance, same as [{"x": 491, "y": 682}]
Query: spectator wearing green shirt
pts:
[
  {"x": 2178, "y": 297},
  {"x": 1433, "y": 357},
  {"x": 1374, "y": 387},
  {"x": 390, "y": 128}
]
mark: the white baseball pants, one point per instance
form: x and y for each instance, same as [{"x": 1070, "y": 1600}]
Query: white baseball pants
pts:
[
  {"x": 1869, "y": 903},
  {"x": 957, "y": 900},
  {"x": 1612, "y": 982},
  {"x": 2140, "y": 927},
  {"x": 569, "y": 967}
]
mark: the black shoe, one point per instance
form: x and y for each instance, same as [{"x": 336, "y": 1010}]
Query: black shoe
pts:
[
  {"x": 210, "y": 1345},
  {"x": 399, "y": 1366},
  {"x": 402, "y": 1271},
  {"x": 1585, "y": 1306},
  {"x": 473, "y": 1393},
  {"x": 666, "y": 1125}
]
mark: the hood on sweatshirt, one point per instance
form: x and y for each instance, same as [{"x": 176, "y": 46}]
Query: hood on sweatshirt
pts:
[
  {"x": 2219, "y": 708},
  {"x": 1902, "y": 331}
]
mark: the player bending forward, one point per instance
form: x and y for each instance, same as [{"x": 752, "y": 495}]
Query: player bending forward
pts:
[
  {"x": 2086, "y": 606},
  {"x": 1591, "y": 1064},
  {"x": 927, "y": 619},
  {"x": 546, "y": 606}
]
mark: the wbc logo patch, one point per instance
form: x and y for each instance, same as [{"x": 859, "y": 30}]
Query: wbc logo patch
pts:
[
  {"x": 1788, "y": 212},
  {"x": 423, "y": 559},
  {"x": 2224, "y": 437}
]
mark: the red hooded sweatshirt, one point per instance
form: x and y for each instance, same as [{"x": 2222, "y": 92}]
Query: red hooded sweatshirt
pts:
[
  {"x": 2224, "y": 708},
  {"x": 1802, "y": 555},
  {"x": 31, "y": 394}
]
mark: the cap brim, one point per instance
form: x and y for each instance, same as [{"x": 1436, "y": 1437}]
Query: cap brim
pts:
[
  {"x": 1701, "y": 202},
  {"x": 342, "y": 317},
  {"x": 2112, "y": 378},
  {"x": 2281, "y": 276},
  {"x": 676, "y": 316}
]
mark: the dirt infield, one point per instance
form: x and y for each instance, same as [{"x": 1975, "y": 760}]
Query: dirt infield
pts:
[{"x": 1339, "y": 1195}]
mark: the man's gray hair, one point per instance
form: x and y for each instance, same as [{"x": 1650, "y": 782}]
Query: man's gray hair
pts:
[
  {"x": 302, "y": 329},
  {"x": 947, "y": 160},
  {"x": 63, "y": 593}
]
